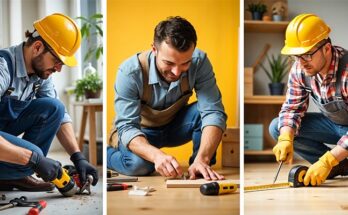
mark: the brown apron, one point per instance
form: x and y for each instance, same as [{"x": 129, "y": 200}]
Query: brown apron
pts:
[{"x": 149, "y": 116}]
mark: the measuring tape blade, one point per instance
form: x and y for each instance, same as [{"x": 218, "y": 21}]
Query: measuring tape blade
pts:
[{"x": 266, "y": 187}]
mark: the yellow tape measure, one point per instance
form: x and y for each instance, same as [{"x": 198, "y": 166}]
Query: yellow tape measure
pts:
[
  {"x": 266, "y": 187},
  {"x": 295, "y": 179}
]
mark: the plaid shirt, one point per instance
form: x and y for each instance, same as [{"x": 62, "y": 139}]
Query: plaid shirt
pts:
[{"x": 297, "y": 98}]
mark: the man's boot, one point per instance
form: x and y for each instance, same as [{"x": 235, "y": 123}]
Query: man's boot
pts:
[
  {"x": 27, "y": 183},
  {"x": 340, "y": 169}
]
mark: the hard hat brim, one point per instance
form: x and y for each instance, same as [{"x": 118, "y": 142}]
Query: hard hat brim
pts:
[
  {"x": 295, "y": 51},
  {"x": 68, "y": 60}
]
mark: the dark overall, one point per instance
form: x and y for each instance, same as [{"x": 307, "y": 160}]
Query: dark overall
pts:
[
  {"x": 328, "y": 126},
  {"x": 38, "y": 119}
]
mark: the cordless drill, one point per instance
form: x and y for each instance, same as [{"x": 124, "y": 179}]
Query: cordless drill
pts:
[{"x": 66, "y": 184}]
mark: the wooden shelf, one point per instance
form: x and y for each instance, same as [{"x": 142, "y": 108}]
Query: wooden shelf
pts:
[
  {"x": 264, "y": 99},
  {"x": 265, "y": 26},
  {"x": 259, "y": 152}
]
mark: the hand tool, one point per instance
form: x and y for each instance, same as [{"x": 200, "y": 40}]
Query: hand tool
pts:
[
  {"x": 22, "y": 202},
  {"x": 295, "y": 179},
  {"x": 121, "y": 179},
  {"x": 37, "y": 208},
  {"x": 110, "y": 173},
  {"x": 80, "y": 188},
  {"x": 115, "y": 187},
  {"x": 215, "y": 188},
  {"x": 276, "y": 176}
]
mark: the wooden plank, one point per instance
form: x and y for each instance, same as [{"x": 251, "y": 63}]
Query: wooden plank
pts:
[
  {"x": 231, "y": 135},
  {"x": 248, "y": 81},
  {"x": 261, "y": 56},
  {"x": 265, "y": 26},
  {"x": 179, "y": 183},
  {"x": 264, "y": 99}
]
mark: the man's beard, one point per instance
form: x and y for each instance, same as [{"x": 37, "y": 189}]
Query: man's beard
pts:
[{"x": 37, "y": 65}]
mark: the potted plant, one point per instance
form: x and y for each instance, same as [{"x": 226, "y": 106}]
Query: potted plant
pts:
[
  {"x": 90, "y": 86},
  {"x": 279, "y": 68},
  {"x": 257, "y": 10}
]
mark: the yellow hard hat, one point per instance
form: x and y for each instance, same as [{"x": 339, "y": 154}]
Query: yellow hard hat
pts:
[
  {"x": 62, "y": 34},
  {"x": 303, "y": 33}
]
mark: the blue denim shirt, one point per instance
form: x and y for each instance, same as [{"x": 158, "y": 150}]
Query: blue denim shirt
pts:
[
  {"x": 23, "y": 83},
  {"x": 129, "y": 90}
]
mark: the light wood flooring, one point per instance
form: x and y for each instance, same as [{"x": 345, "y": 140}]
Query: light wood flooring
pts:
[
  {"x": 173, "y": 201},
  {"x": 329, "y": 198}
]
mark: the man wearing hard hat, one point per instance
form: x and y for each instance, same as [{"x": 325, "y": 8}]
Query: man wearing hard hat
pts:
[
  {"x": 319, "y": 71},
  {"x": 29, "y": 105}
]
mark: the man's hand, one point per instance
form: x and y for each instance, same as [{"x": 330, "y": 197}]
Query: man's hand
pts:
[
  {"x": 318, "y": 172},
  {"x": 46, "y": 168},
  {"x": 167, "y": 165},
  {"x": 84, "y": 168},
  {"x": 198, "y": 167},
  {"x": 284, "y": 150}
]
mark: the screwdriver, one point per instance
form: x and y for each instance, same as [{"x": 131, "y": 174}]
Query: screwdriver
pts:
[
  {"x": 276, "y": 176},
  {"x": 115, "y": 187},
  {"x": 37, "y": 208}
]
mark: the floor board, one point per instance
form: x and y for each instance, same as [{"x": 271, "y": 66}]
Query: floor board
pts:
[
  {"x": 173, "y": 201},
  {"x": 330, "y": 198}
]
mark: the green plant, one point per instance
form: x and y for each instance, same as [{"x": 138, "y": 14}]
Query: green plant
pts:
[
  {"x": 92, "y": 26},
  {"x": 279, "y": 68},
  {"x": 257, "y": 7},
  {"x": 91, "y": 82}
]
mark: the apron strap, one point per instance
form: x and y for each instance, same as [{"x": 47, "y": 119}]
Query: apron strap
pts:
[
  {"x": 342, "y": 66},
  {"x": 144, "y": 63},
  {"x": 4, "y": 54}
]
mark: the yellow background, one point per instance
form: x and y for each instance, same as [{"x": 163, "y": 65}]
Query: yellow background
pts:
[{"x": 130, "y": 26}]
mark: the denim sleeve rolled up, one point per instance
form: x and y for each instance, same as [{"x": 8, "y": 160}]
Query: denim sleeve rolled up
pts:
[{"x": 129, "y": 90}]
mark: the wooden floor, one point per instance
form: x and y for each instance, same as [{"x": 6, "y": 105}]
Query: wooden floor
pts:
[
  {"x": 173, "y": 201},
  {"x": 329, "y": 198}
]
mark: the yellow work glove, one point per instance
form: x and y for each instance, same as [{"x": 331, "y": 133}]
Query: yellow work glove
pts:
[
  {"x": 318, "y": 172},
  {"x": 284, "y": 149}
]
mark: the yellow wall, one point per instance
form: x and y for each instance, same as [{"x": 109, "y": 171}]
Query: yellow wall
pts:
[{"x": 130, "y": 26}]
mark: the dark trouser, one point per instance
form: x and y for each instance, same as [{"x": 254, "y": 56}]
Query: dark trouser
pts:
[{"x": 39, "y": 122}]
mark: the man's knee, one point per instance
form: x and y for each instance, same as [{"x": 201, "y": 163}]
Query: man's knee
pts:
[
  {"x": 53, "y": 106},
  {"x": 129, "y": 164},
  {"x": 139, "y": 167},
  {"x": 273, "y": 128}
]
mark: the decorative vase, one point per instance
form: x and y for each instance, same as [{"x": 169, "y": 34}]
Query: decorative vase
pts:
[
  {"x": 276, "y": 88},
  {"x": 277, "y": 18}
]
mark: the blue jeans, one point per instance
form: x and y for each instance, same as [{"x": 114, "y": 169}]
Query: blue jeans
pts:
[
  {"x": 315, "y": 130},
  {"x": 39, "y": 122},
  {"x": 186, "y": 126}
]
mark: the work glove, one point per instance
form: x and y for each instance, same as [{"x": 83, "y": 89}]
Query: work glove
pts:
[
  {"x": 284, "y": 150},
  {"x": 84, "y": 168},
  {"x": 46, "y": 168},
  {"x": 318, "y": 172}
]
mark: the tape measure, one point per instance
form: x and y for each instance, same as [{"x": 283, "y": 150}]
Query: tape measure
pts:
[{"x": 295, "y": 179}]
